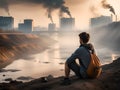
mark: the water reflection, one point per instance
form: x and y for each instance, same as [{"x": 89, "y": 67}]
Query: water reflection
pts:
[{"x": 115, "y": 56}]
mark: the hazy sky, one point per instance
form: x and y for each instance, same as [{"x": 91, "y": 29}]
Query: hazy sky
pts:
[{"x": 81, "y": 10}]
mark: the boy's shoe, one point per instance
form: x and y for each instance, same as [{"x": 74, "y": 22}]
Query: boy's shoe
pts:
[{"x": 66, "y": 81}]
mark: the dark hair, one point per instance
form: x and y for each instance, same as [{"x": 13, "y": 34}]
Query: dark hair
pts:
[{"x": 84, "y": 36}]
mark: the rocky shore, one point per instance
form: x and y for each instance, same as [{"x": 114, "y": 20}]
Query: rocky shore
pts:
[
  {"x": 15, "y": 46},
  {"x": 109, "y": 80}
]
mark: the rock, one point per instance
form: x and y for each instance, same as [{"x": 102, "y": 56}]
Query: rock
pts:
[
  {"x": 15, "y": 82},
  {"x": 8, "y": 79},
  {"x": 25, "y": 78},
  {"x": 49, "y": 77},
  {"x": 4, "y": 75},
  {"x": 44, "y": 79}
]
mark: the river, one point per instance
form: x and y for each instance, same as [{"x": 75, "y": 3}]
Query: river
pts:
[{"x": 51, "y": 61}]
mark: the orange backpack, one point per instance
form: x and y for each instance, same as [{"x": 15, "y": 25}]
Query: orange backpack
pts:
[{"x": 94, "y": 68}]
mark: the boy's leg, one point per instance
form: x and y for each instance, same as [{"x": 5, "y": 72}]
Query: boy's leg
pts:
[
  {"x": 67, "y": 71},
  {"x": 75, "y": 68},
  {"x": 66, "y": 80}
]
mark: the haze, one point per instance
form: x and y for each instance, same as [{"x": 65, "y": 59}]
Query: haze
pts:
[{"x": 81, "y": 10}]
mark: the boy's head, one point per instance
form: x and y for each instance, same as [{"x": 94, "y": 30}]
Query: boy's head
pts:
[{"x": 84, "y": 37}]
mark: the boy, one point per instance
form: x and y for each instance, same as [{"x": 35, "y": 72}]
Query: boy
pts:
[{"x": 83, "y": 55}]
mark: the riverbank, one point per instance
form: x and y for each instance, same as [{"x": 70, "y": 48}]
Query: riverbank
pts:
[
  {"x": 15, "y": 46},
  {"x": 109, "y": 80}
]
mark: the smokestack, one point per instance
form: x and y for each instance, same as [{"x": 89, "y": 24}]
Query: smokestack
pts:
[
  {"x": 111, "y": 17},
  {"x": 107, "y": 6},
  {"x": 116, "y": 17}
]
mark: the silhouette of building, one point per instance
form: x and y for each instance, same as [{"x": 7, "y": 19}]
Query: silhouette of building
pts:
[
  {"x": 27, "y": 26},
  {"x": 67, "y": 24},
  {"x": 100, "y": 21},
  {"x": 51, "y": 27},
  {"x": 6, "y": 23}
]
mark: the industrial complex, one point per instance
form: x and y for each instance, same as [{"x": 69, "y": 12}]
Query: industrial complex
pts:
[{"x": 65, "y": 24}]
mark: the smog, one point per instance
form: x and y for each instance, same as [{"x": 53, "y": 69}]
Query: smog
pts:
[
  {"x": 107, "y": 6},
  {"x": 49, "y": 5}
]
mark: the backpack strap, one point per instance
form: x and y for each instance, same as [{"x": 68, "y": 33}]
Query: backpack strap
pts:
[{"x": 90, "y": 49}]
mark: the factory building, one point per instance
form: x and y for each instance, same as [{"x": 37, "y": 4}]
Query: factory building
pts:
[
  {"x": 51, "y": 27},
  {"x": 26, "y": 27},
  {"x": 100, "y": 21},
  {"x": 67, "y": 24},
  {"x": 6, "y": 23}
]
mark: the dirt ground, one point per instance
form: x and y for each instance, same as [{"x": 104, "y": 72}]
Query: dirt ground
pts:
[{"x": 109, "y": 80}]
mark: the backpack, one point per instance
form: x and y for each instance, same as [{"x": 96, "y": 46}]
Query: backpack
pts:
[{"x": 94, "y": 68}]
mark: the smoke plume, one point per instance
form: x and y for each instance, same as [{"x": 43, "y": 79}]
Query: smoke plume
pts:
[
  {"x": 50, "y": 5},
  {"x": 107, "y": 6},
  {"x": 4, "y": 4},
  {"x": 65, "y": 10},
  {"x": 49, "y": 15}
]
